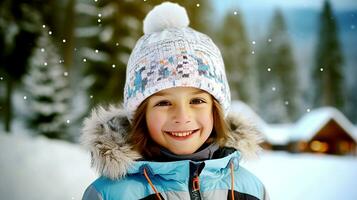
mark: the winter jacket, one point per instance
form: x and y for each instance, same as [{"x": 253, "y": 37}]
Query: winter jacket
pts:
[{"x": 124, "y": 174}]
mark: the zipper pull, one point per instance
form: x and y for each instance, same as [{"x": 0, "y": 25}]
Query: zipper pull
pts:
[{"x": 195, "y": 183}]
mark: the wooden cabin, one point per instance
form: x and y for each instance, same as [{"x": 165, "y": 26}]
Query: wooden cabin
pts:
[{"x": 324, "y": 130}]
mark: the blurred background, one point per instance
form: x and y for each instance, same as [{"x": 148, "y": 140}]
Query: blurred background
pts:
[{"x": 291, "y": 67}]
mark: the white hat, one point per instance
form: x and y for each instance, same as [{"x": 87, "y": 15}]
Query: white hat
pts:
[{"x": 170, "y": 54}]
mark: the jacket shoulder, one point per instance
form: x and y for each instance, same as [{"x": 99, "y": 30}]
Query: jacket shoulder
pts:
[
  {"x": 133, "y": 186},
  {"x": 91, "y": 194},
  {"x": 248, "y": 183}
]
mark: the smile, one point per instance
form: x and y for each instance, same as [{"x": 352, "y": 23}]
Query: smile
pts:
[{"x": 181, "y": 133}]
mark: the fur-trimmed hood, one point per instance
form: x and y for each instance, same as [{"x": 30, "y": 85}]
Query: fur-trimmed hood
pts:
[{"x": 105, "y": 131}]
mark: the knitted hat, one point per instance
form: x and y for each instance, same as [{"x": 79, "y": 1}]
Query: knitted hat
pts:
[{"x": 170, "y": 54}]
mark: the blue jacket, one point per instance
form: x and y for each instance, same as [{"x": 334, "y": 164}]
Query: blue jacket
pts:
[{"x": 124, "y": 176}]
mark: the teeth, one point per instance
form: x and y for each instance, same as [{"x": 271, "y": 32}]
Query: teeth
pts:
[{"x": 181, "y": 134}]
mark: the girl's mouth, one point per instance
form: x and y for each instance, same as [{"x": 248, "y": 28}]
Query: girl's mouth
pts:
[{"x": 181, "y": 134}]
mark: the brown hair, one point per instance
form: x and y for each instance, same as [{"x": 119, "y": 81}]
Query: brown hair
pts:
[{"x": 141, "y": 141}]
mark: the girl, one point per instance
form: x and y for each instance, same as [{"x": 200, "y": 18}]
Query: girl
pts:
[{"x": 172, "y": 139}]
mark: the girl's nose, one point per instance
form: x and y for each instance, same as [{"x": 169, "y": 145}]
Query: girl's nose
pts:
[{"x": 182, "y": 115}]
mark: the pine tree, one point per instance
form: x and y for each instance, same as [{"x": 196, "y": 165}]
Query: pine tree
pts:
[
  {"x": 279, "y": 87},
  {"x": 236, "y": 51},
  {"x": 20, "y": 24},
  {"x": 106, "y": 34},
  {"x": 328, "y": 69},
  {"x": 48, "y": 93}
]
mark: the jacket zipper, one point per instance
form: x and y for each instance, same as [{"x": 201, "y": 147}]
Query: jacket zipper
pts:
[
  {"x": 196, "y": 195},
  {"x": 194, "y": 184}
]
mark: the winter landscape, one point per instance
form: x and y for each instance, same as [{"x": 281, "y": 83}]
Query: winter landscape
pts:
[{"x": 61, "y": 59}]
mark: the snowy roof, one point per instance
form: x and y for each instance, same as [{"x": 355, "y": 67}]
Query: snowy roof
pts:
[
  {"x": 278, "y": 134},
  {"x": 313, "y": 121},
  {"x": 246, "y": 111},
  {"x": 274, "y": 134}
]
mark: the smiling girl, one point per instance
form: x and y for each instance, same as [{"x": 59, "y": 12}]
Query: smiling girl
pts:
[{"x": 173, "y": 138}]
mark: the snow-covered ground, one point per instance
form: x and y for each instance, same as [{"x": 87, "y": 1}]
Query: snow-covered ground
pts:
[
  {"x": 306, "y": 176},
  {"x": 39, "y": 168}
]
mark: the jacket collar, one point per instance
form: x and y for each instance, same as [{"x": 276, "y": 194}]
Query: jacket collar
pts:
[{"x": 105, "y": 131}]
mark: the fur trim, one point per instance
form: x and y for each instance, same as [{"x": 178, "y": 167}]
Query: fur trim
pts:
[{"x": 105, "y": 135}]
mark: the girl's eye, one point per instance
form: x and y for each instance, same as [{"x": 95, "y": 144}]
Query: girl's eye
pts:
[
  {"x": 197, "y": 101},
  {"x": 163, "y": 103}
]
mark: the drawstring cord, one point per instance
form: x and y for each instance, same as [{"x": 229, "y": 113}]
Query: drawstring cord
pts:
[
  {"x": 151, "y": 184},
  {"x": 232, "y": 180}
]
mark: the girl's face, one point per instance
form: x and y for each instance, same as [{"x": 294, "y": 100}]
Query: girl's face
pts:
[{"x": 180, "y": 119}]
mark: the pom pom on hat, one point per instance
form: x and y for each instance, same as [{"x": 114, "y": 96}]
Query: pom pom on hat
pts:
[{"x": 165, "y": 15}]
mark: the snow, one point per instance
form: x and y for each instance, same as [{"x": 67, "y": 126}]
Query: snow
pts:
[
  {"x": 306, "y": 176},
  {"x": 278, "y": 134},
  {"x": 39, "y": 168}
]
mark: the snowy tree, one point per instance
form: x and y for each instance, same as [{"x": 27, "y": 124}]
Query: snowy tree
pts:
[
  {"x": 280, "y": 95},
  {"x": 19, "y": 28},
  {"x": 327, "y": 71},
  {"x": 106, "y": 33},
  {"x": 48, "y": 93},
  {"x": 235, "y": 49}
]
